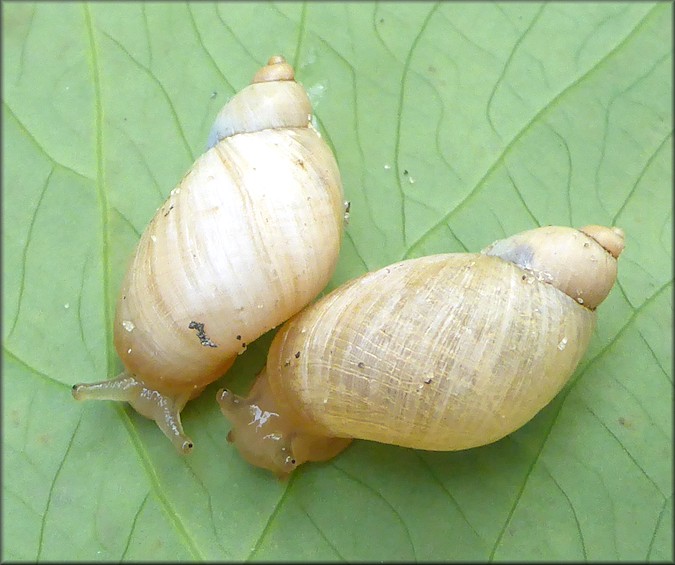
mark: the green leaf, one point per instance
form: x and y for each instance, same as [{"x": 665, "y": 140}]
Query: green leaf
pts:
[{"x": 454, "y": 124}]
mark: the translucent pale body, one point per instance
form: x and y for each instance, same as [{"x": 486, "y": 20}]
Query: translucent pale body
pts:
[{"x": 249, "y": 236}]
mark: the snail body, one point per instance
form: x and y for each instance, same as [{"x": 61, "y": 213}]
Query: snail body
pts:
[
  {"x": 249, "y": 236},
  {"x": 444, "y": 352}
]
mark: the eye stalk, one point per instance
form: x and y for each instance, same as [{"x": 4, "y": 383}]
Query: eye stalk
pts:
[
  {"x": 258, "y": 433},
  {"x": 267, "y": 436},
  {"x": 287, "y": 463}
]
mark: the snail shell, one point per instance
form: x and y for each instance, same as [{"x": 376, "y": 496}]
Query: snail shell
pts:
[
  {"x": 249, "y": 236},
  {"x": 443, "y": 352}
]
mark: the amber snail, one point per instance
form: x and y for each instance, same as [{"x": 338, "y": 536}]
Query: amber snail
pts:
[
  {"x": 444, "y": 352},
  {"x": 249, "y": 236}
]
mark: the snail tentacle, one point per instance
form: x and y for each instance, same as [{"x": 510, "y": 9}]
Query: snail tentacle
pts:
[
  {"x": 248, "y": 237},
  {"x": 267, "y": 434},
  {"x": 443, "y": 352},
  {"x": 162, "y": 407}
]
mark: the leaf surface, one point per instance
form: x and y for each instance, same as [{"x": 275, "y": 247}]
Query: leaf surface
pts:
[{"x": 454, "y": 124}]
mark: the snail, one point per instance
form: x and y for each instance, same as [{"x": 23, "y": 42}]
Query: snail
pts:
[
  {"x": 443, "y": 352},
  {"x": 250, "y": 235}
]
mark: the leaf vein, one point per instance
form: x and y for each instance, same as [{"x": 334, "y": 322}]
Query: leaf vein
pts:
[
  {"x": 667, "y": 503},
  {"x": 568, "y": 184},
  {"x": 605, "y": 134},
  {"x": 173, "y": 516},
  {"x": 29, "y": 368},
  {"x": 212, "y": 514},
  {"x": 24, "y": 251},
  {"x": 574, "y": 513},
  {"x": 79, "y": 312},
  {"x": 520, "y": 134},
  {"x": 22, "y": 56},
  {"x": 51, "y": 490},
  {"x": 40, "y": 148},
  {"x": 200, "y": 39},
  {"x": 143, "y": 160},
  {"x": 623, "y": 447},
  {"x": 102, "y": 195},
  {"x": 648, "y": 163},
  {"x": 505, "y": 68},
  {"x": 447, "y": 492},
  {"x": 133, "y": 526},
  {"x": 563, "y": 397},
  {"x": 401, "y": 101},
  {"x": 270, "y": 520},
  {"x": 357, "y": 135},
  {"x": 321, "y": 532},
  {"x": 386, "y": 502},
  {"x": 302, "y": 29},
  {"x": 656, "y": 359},
  {"x": 158, "y": 83},
  {"x": 521, "y": 198},
  {"x": 236, "y": 38},
  {"x": 356, "y": 250}
]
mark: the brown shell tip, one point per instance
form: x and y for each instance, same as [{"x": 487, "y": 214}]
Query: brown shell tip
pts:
[
  {"x": 276, "y": 69},
  {"x": 611, "y": 239}
]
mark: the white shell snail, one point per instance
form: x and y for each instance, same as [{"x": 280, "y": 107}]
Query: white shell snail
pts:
[
  {"x": 249, "y": 236},
  {"x": 444, "y": 352}
]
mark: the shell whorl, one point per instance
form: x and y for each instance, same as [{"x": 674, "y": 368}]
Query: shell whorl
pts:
[
  {"x": 581, "y": 263},
  {"x": 611, "y": 239},
  {"x": 273, "y": 100},
  {"x": 276, "y": 69},
  {"x": 442, "y": 352},
  {"x": 249, "y": 236}
]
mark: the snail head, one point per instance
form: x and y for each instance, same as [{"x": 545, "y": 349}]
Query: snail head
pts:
[{"x": 258, "y": 432}]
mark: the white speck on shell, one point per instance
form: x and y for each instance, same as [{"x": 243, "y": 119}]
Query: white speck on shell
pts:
[
  {"x": 66, "y": 305},
  {"x": 128, "y": 325},
  {"x": 562, "y": 344},
  {"x": 129, "y": 350},
  {"x": 411, "y": 180},
  {"x": 153, "y": 238},
  {"x": 544, "y": 276}
]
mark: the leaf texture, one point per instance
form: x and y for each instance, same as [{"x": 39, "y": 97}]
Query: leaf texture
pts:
[{"x": 454, "y": 124}]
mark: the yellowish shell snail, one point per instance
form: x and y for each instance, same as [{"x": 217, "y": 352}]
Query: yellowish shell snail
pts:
[
  {"x": 249, "y": 236},
  {"x": 443, "y": 352}
]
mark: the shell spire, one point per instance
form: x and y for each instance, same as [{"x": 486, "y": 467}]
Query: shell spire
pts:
[
  {"x": 443, "y": 352},
  {"x": 250, "y": 236},
  {"x": 581, "y": 263},
  {"x": 611, "y": 239},
  {"x": 276, "y": 69},
  {"x": 273, "y": 100}
]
